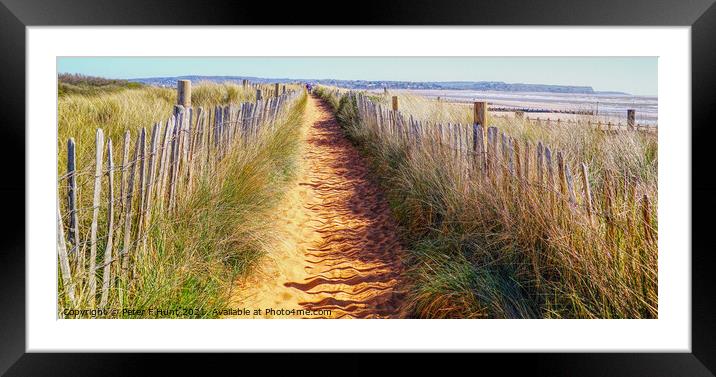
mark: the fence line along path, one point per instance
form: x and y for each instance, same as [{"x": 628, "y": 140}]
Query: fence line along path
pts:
[{"x": 141, "y": 177}]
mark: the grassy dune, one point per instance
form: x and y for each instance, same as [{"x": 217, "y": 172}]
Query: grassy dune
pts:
[
  {"x": 482, "y": 249},
  {"x": 219, "y": 229}
]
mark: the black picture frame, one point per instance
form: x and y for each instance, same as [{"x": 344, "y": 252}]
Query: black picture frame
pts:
[{"x": 16, "y": 15}]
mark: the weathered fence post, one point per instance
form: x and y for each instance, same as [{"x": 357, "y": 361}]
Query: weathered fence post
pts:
[
  {"x": 275, "y": 90},
  {"x": 478, "y": 147},
  {"x": 631, "y": 116},
  {"x": 258, "y": 95},
  {"x": 395, "y": 103},
  {"x": 99, "y": 149},
  {"x": 184, "y": 93},
  {"x": 72, "y": 196},
  {"x": 480, "y": 113}
]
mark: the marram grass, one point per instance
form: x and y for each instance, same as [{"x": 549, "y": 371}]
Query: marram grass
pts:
[
  {"x": 219, "y": 229},
  {"x": 479, "y": 249}
]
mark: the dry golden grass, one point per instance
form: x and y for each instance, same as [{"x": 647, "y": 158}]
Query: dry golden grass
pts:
[
  {"x": 220, "y": 226},
  {"x": 502, "y": 246}
]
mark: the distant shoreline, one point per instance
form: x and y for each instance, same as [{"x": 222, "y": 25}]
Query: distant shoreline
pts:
[
  {"x": 393, "y": 85},
  {"x": 604, "y": 108}
]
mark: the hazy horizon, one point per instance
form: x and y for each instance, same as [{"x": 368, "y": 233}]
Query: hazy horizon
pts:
[{"x": 633, "y": 75}]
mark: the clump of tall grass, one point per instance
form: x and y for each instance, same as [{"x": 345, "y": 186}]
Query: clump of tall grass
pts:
[{"x": 503, "y": 247}]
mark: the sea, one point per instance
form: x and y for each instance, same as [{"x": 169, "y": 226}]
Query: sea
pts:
[{"x": 612, "y": 106}]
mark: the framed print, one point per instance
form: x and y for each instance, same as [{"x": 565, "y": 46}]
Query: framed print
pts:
[{"x": 476, "y": 178}]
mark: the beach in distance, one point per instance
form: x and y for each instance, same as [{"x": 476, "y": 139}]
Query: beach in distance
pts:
[{"x": 605, "y": 107}]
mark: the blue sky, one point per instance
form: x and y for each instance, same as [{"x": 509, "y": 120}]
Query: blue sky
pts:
[{"x": 635, "y": 75}]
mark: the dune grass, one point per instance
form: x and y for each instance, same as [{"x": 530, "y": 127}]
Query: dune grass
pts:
[
  {"x": 115, "y": 111},
  {"x": 77, "y": 84},
  {"x": 219, "y": 228},
  {"x": 482, "y": 248}
]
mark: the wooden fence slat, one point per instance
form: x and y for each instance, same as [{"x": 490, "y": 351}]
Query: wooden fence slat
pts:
[
  {"x": 99, "y": 160},
  {"x": 74, "y": 236},
  {"x": 570, "y": 185},
  {"x": 510, "y": 156},
  {"x": 607, "y": 207},
  {"x": 107, "y": 266},
  {"x": 492, "y": 140},
  {"x": 550, "y": 176},
  {"x": 174, "y": 166},
  {"x": 195, "y": 146},
  {"x": 67, "y": 285},
  {"x": 164, "y": 162},
  {"x": 646, "y": 219},
  {"x": 140, "y": 186},
  {"x": 188, "y": 135},
  {"x": 503, "y": 159},
  {"x": 183, "y": 116},
  {"x": 226, "y": 118},
  {"x": 560, "y": 171},
  {"x": 128, "y": 213},
  {"x": 123, "y": 177},
  {"x": 149, "y": 190},
  {"x": 217, "y": 124},
  {"x": 540, "y": 155}
]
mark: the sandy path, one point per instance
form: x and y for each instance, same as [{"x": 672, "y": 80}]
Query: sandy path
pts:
[{"x": 341, "y": 252}]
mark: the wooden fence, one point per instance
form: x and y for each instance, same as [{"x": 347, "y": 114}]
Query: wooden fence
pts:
[
  {"x": 528, "y": 172},
  {"x": 599, "y": 125},
  {"x": 143, "y": 179}
]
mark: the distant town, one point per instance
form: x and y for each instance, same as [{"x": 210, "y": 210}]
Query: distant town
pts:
[{"x": 379, "y": 84}]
